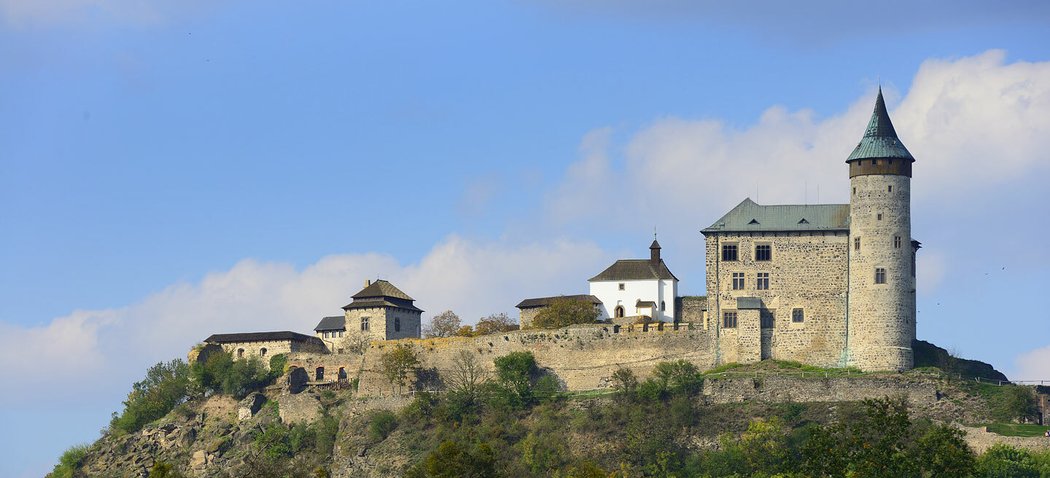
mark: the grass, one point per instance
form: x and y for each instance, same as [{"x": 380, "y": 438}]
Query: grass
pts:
[
  {"x": 781, "y": 367},
  {"x": 1017, "y": 429}
]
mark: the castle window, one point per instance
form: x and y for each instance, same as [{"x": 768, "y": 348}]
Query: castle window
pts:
[
  {"x": 738, "y": 281},
  {"x": 765, "y": 319},
  {"x": 880, "y": 275},
  {"x": 856, "y": 243},
  {"x": 340, "y": 333},
  {"x": 618, "y": 312},
  {"x": 364, "y": 324},
  {"x": 397, "y": 324},
  {"x": 319, "y": 373},
  {"x": 764, "y": 252},
  {"x": 262, "y": 352},
  {"x": 729, "y": 319},
  {"x": 889, "y": 188},
  {"x": 797, "y": 316},
  {"x": 729, "y": 252},
  {"x": 763, "y": 281},
  {"x": 896, "y": 242},
  {"x": 240, "y": 353},
  {"x": 623, "y": 286},
  {"x": 878, "y": 216},
  {"x": 663, "y": 306},
  {"x": 854, "y": 191}
]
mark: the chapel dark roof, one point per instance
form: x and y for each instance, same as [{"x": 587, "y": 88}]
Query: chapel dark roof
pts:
[
  {"x": 381, "y": 294},
  {"x": 262, "y": 337},
  {"x": 545, "y": 301},
  {"x": 634, "y": 269},
  {"x": 880, "y": 139},
  {"x": 749, "y": 216},
  {"x": 337, "y": 322}
]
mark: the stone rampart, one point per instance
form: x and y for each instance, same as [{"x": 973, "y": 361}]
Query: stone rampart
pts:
[
  {"x": 774, "y": 389},
  {"x": 583, "y": 357}
]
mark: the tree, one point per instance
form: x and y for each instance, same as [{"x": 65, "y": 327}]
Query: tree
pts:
[
  {"x": 515, "y": 372},
  {"x": 565, "y": 311},
  {"x": 396, "y": 363},
  {"x": 444, "y": 324},
  {"x": 165, "y": 386},
  {"x": 453, "y": 460},
  {"x": 465, "y": 331},
  {"x": 624, "y": 382},
  {"x": 495, "y": 324},
  {"x": 356, "y": 343},
  {"x": 467, "y": 375}
]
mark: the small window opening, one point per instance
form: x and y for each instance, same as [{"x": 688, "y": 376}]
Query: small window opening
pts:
[
  {"x": 753, "y": 221},
  {"x": 803, "y": 221},
  {"x": 797, "y": 316},
  {"x": 763, "y": 281},
  {"x": 729, "y": 319},
  {"x": 878, "y": 216},
  {"x": 897, "y": 242},
  {"x": 856, "y": 243},
  {"x": 763, "y": 252},
  {"x": 738, "y": 281},
  {"x": 262, "y": 352},
  {"x": 618, "y": 312},
  {"x": 889, "y": 188},
  {"x": 623, "y": 286},
  {"x": 880, "y": 275},
  {"x": 240, "y": 353},
  {"x": 319, "y": 373},
  {"x": 364, "y": 324},
  {"x": 729, "y": 252}
]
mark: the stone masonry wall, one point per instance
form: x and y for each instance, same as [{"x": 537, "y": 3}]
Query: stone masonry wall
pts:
[
  {"x": 583, "y": 357},
  {"x": 807, "y": 271}
]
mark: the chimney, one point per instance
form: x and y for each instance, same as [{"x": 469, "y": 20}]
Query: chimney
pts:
[{"x": 368, "y": 282}]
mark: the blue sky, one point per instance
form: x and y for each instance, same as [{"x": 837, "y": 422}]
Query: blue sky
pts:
[{"x": 173, "y": 169}]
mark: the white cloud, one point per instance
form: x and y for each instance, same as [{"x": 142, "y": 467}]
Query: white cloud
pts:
[
  {"x": 973, "y": 123},
  {"x": 1033, "y": 365},
  {"x": 99, "y": 351}
]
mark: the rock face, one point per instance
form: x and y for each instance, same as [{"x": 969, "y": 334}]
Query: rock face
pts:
[{"x": 250, "y": 406}]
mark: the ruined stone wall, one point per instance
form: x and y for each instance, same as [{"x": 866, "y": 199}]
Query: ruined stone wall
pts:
[
  {"x": 795, "y": 389},
  {"x": 808, "y": 271},
  {"x": 331, "y": 364},
  {"x": 583, "y": 357},
  {"x": 693, "y": 309},
  {"x": 527, "y": 316}
]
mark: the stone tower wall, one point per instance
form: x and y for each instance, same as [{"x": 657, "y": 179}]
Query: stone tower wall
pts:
[{"x": 881, "y": 316}]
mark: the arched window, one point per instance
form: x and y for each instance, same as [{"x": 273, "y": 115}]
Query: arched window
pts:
[
  {"x": 262, "y": 352},
  {"x": 240, "y": 353},
  {"x": 663, "y": 306},
  {"x": 342, "y": 374},
  {"x": 619, "y": 311},
  {"x": 397, "y": 324}
]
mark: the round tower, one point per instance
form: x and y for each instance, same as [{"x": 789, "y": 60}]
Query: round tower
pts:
[{"x": 881, "y": 296}]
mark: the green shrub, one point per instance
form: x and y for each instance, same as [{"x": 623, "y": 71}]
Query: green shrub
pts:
[
  {"x": 1004, "y": 461},
  {"x": 515, "y": 371},
  {"x": 221, "y": 374},
  {"x": 166, "y": 385},
  {"x": 452, "y": 460},
  {"x": 163, "y": 469},
  {"x": 381, "y": 424},
  {"x": 277, "y": 365},
  {"x": 547, "y": 389},
  {"x": 70, "y": 462}
]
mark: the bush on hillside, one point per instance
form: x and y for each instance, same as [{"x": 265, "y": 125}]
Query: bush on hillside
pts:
[
  {"x": 69, "y": 463},
  {"x": 220, "y": 373},
  {"x": 166, "y": 385}
]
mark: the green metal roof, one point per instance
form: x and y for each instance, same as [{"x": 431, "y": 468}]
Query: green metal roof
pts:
[
  {"x": 749, "y": 216},
  {"x": 880, "y": 139}
]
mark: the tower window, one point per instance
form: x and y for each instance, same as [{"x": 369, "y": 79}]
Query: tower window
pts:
[
  {"x": 764, "y": 252},
  {"x": 663, "y": 306},
  {"x": 618, "y": 312},
  {"x": 856, "y": 243},
  {"x": 763, "y": 281},
  {"x": 896, "y": 242},
  {"x": 729, "y": 252},
  {"x": 880, "y": 275},
  {"x": 738, "y": 280},
  {"x": 729, "y": 319},
  {"x": 765, "y": 319},
  {"x": 364, "y": 324},
  {"x": 889, "y": 188},
  {"x": 878, "y": 216},
  {"x": 797, "y": 316},
  {"x": 854, "y": 191},
  {"x": 622, "y": 286}
]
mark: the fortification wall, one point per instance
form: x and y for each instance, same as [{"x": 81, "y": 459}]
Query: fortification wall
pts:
[
  {"x": 583, "y": 357},
  {"x": 795, "y": 389}
]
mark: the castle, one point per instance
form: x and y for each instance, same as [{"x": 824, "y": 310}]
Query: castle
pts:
[{"x": 831, "y": 285}]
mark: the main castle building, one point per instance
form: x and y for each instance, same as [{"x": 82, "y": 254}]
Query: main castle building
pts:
[{"x": 827, "y": 284}]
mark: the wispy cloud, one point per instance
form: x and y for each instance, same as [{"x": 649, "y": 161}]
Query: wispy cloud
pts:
[
  {"x": 30, "y": 13},
  {"x": 104, "y": 349}
]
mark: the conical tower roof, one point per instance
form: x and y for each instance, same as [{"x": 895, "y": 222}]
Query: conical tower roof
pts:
[{"x": 880, "y": 139}]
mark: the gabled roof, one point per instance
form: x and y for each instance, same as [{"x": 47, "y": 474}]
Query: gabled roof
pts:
[
  {"x": 880, "y": 139},
  {"x": 337, "y": 322},
  {"x": 750, "y": 216},
  {"x": 262, "y": 337},
  {"x": 545, "y": 301},
  {"x": 381, "y": 288},
  {"x": 634, "y": 269}
]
